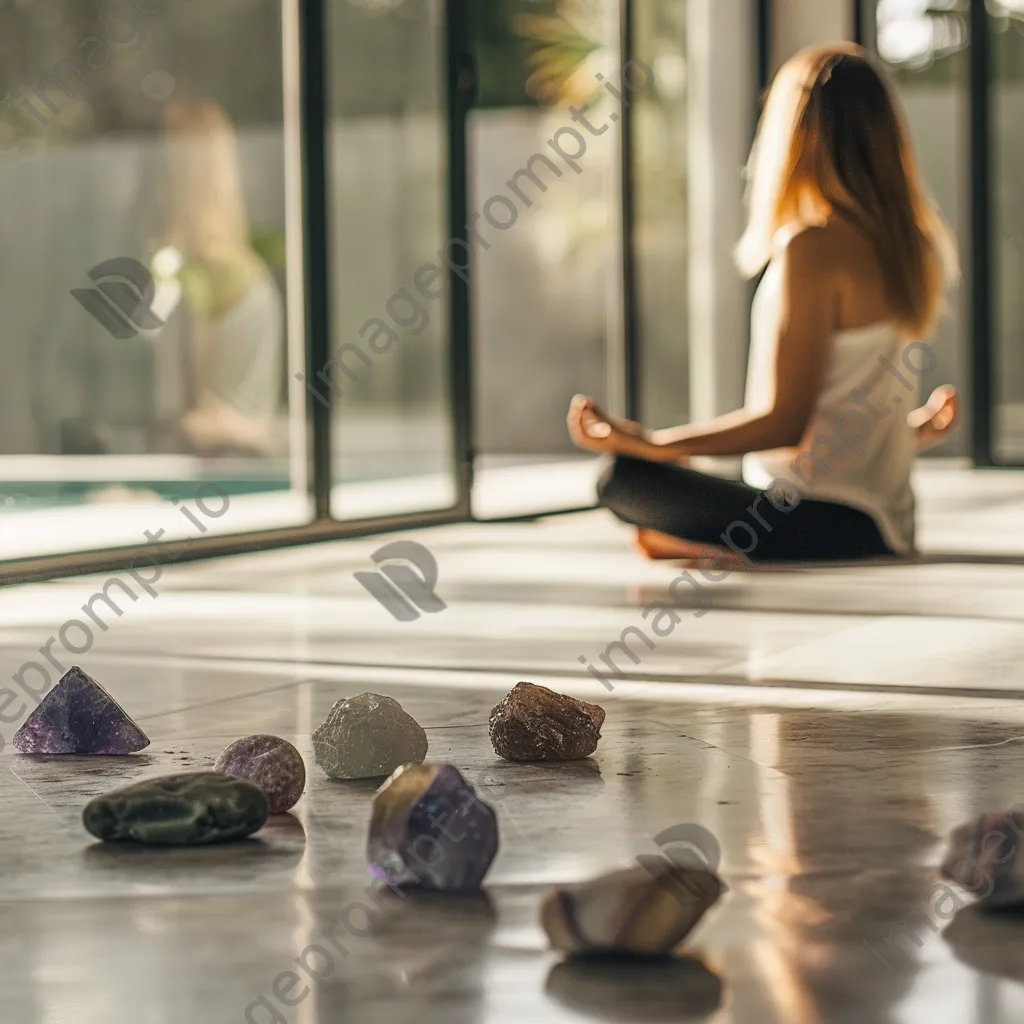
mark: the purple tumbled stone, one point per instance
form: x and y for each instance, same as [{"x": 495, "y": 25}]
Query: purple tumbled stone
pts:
[
  {"x": 271, "y": 763},
  {"x": 79, "y": 717},
  {"x": 429, "y": 829}
]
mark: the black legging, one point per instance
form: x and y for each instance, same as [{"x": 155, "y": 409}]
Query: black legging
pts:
[{"x": 726, "y": 513}]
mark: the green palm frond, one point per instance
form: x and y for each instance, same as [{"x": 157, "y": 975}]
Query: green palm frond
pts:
[{"x": 560, "y": 53}]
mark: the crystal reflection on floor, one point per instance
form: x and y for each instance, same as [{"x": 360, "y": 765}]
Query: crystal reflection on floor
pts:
[{"x": 828, "y": 727}]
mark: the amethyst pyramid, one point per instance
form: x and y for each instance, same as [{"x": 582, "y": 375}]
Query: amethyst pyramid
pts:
[
  {"x": 79, "y": 717},
  {"x": 430, "y": 829}
]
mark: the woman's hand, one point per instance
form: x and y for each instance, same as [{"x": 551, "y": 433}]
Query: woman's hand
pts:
[
  {"x": 592, "y": 429},
  {"x": 937, "y": 418}
]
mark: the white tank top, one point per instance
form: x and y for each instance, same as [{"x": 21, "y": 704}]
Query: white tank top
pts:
[{"x": 858, "y": 449}]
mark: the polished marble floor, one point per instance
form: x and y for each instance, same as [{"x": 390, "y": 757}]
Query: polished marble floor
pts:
[{"x": 828, "y": 726}]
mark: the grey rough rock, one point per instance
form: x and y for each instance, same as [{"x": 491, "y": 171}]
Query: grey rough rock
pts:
[{"x": 366, "y": 737}]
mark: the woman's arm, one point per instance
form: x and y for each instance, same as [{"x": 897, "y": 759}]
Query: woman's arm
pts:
[{"x": 805, "y": 329}]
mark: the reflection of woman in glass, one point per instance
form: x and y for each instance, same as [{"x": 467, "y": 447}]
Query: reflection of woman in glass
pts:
[
  {"x": 856, "y": 257},
  {"x": 236, "y": 344}
]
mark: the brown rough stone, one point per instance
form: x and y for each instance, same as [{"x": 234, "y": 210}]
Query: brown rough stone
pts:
[{"x": 534, "y": 723}]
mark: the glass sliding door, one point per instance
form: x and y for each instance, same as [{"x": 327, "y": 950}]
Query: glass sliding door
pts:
[
  {"x": 387, "y": 152},
  {"x": 960, "y": 69},
  {"x": 545, "y": 225},
  {"x": 660, "y": 208},
  {"x": 1006, "y": 47},
  {"x": 150, "y": 315},
  {"x": 926, "y": 48},
  {"x": 278, "y": 271}
]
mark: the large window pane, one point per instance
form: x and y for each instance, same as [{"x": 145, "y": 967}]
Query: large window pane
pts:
[
  {"x": 547, "y": 291},
  {"x": 660, "y": 208},
  {"x": 145, "y": 290},
  {"x": 925, "y": 47},
  {"x": 387, "y": 143},
  {"x": 1007, "y": 24}
]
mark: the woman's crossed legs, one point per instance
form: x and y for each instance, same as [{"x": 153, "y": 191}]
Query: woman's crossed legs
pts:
[{"x": 681, "y": 513}]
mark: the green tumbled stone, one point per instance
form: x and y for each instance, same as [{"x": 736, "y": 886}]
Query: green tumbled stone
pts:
[{"x": 178, "y": 810}]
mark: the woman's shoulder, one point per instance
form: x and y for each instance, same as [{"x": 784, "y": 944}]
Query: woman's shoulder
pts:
[
  {"x": 821, "y": 247},
  {"x": 835, "y": 229},
  {"x": 806, "y": 250}
]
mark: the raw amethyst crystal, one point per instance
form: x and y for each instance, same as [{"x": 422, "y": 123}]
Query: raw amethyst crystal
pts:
[
  {"x": 269, "y": 762},
  {"x": 429, "y": 829},
  {"x": 79, "y": 717}
]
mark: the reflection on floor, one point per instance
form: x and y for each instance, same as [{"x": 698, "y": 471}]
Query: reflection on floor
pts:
[{"x": 828, "y": 726}]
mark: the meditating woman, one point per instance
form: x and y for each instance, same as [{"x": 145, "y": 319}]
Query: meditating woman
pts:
[{"x": 857, "y": 263}]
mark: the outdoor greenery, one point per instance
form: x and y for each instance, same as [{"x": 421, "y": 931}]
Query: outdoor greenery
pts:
[{"x": 530, "y": 52}]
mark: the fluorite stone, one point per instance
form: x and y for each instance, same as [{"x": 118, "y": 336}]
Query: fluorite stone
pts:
[
  {"x": 985, "y": 857},
  {"x": 429, "y": 829},
  {"x": 269, "y": 762},
  {"x": 366, "y": 737},
  {"x": 79, "y": 717},
  {"x": 178, "y": 810},
  {"x": 635, "y": 910},
  {"x": 534, "y": 723}
]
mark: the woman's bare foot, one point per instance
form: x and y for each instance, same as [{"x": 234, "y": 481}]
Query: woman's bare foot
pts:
[
  {"x": 664, "y": 547},
  {"x": 937, "y": 418},
  {"x": 657, "y": 546}
]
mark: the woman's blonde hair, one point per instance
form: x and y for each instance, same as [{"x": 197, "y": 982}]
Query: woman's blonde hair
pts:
[
  {"x": 206, "y": 213},
  {"x": 832, "y": 138}
]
